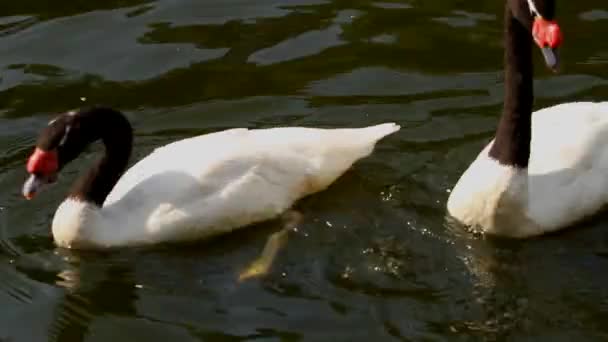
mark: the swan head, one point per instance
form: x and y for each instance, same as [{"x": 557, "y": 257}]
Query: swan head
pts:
[
  {"x": 60, "y": 142},
  {"x": 539, "y": 17}
]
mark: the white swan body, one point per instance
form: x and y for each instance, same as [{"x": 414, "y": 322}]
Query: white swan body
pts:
[
  {"x": 214, "y": 183},
  {"x": 566, "y": 179}
]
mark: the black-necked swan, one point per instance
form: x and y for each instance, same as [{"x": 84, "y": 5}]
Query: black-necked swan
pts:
[
  {"x": 189, "y": 189},
  {"x": 544, "y": 171}
]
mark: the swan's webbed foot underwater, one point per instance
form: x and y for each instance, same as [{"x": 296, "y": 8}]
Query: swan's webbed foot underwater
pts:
[{"x": 276, "y": 241}]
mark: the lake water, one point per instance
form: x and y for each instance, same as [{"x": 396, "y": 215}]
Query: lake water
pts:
[{"x": 374, "y": 258}]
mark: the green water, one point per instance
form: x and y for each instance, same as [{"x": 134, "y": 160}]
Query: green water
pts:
[{"x": 374, "y": 258}]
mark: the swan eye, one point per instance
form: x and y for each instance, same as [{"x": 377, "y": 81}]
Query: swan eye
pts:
[{"x": 65, "y": 135}]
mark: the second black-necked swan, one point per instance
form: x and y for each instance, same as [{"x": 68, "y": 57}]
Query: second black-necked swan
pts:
[{"x": 543, "y": 171}]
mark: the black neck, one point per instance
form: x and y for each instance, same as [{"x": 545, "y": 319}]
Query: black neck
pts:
[
  {"x": 116, "y": 134},
  {"x": 512, "y": 142}
]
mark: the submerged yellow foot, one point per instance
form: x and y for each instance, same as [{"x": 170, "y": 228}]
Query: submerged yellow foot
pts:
[{"x": 274, "y": 244}]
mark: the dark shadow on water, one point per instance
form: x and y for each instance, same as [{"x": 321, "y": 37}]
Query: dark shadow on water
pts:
[
  {"x": 47, "y": 10},
  {"x": 103, "y": 283},
  {"x": 115, "y": 294}
]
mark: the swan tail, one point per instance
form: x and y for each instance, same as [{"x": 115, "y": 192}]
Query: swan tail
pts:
[
  {"x": 358, "y": 143},
  {"x": 377, "y": 132},
  {"x": 342, "y": 149}
]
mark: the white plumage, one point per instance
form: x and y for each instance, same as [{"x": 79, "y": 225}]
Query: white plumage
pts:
[
  {"x": 566, "y": 179},
  {"x": 212, "y": 184}
]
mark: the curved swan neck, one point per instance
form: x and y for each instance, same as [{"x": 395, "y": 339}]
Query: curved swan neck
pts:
[
  {"x": 512, "y": 142},
  {"x": 115, "y": 131}
]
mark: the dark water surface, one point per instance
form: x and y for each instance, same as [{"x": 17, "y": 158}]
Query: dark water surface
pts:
[{"x": 374, "y": 258}]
